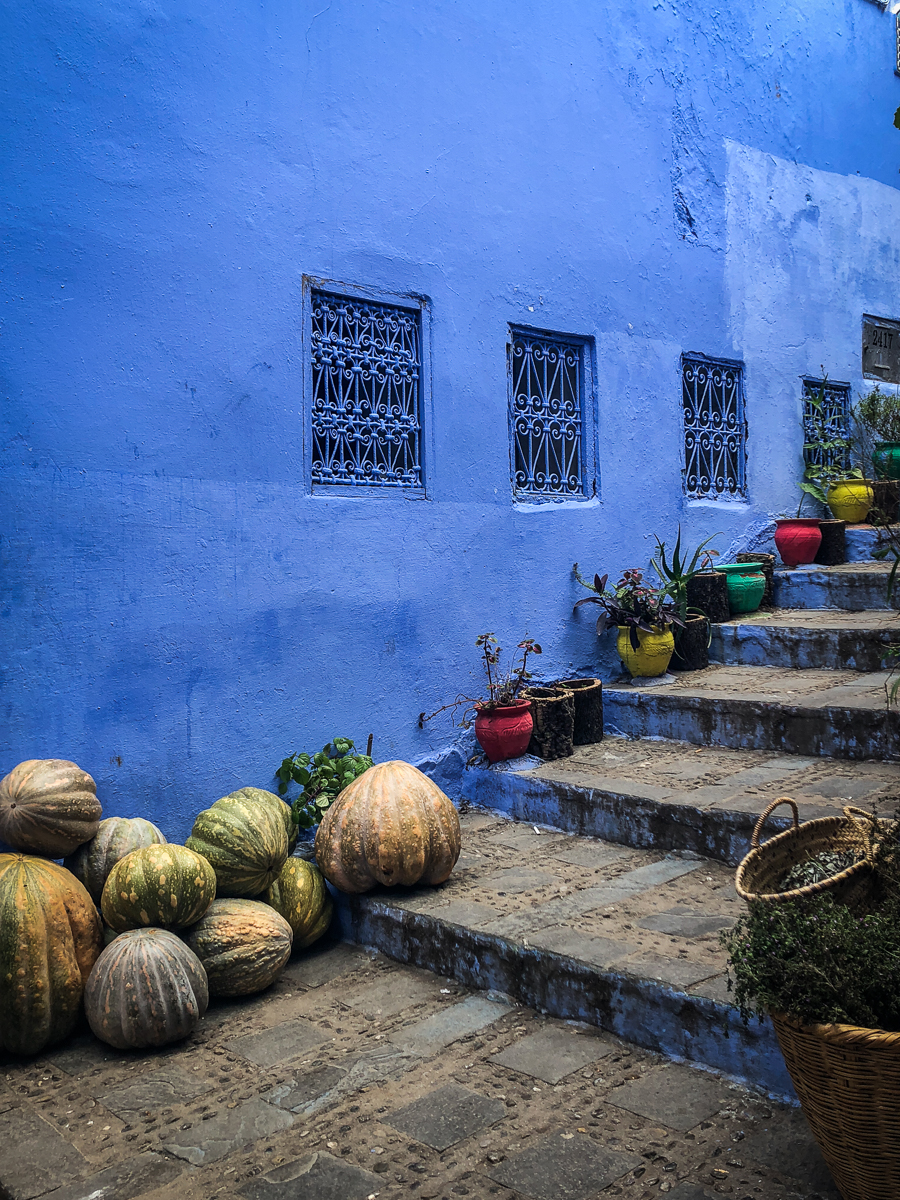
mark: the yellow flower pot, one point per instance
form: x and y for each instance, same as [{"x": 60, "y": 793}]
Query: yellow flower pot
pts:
[
  {"x": 653, "y": 654},
  {"x": 850, "y": 500}
]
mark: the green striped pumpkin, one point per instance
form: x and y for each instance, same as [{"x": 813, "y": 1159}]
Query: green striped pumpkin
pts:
[
  {"x": 245, "y": 839},
  {"x": 161, "y": 886},
  {"x": 117, "y": 836},
  {"x": 49, "y": 940},
  {"x": 242, "y": 944},
  {"x": 300, "y": 896}
]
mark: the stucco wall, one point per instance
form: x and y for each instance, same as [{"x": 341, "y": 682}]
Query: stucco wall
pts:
[{"x": 179, "y": 611}]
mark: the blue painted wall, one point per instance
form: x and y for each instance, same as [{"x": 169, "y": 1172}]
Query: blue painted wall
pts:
[{"x": 179, "y": 612}]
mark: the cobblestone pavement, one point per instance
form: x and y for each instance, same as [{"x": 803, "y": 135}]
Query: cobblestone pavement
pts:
[{"x": 355, "y": 1078}]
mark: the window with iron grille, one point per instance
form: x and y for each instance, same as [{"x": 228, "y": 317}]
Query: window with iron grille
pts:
[
  {"x": 715, "y": 427},
  {"x": 833, "y": 424},
  {"x": 366, "y": 398},
  {"x": 552, "y": 442}
]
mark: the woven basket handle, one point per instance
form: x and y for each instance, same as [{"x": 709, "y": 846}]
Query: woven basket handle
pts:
[
  {"x": 754, "y": 841},
  {"x": 867, "y": 827}
]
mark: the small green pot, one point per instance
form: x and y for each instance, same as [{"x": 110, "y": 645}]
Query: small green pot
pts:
[
  {"x": 886, "y": 460},
  {"x": 746, "y": 585}
]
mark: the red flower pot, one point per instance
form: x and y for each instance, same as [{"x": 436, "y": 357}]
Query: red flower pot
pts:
[
  {"x": 797, "y": 540},
  {"x": 504, "y": 732}
]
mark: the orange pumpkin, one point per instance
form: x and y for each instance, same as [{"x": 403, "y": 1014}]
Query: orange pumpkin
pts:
[
  {"x": 392, "y": 825},
  {"x": 48, "y": 806}
]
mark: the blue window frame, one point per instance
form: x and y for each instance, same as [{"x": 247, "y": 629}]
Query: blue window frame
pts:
[
  {"x": 367, "y": 387},
  {"x": 715, "y": 428},
  {"x": 552, "y": 427}
]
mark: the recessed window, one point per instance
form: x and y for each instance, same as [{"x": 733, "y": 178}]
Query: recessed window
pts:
[
  {"x": 552, "y": 438},
  {"x": 832, "y": 425},
  {"x": 366, "y": 398},
  {"x": 715, "y": 428}
]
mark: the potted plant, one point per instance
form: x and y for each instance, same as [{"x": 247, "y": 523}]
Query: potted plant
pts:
[
  {"x": 878, "y": 413},
  {"x": 827, "y": 974},
  {"x": 693, "y": 636},
  {"x": 644, "y": 617},
  {"x": 502, "y": 717}
]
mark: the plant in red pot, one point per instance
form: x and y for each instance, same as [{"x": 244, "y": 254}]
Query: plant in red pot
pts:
[{"x": 502, "y": 718}]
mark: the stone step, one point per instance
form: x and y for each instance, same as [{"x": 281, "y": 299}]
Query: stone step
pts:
[
  {"x": 864, "y": 540},
  {"x": 807, "y": 639},
  {"x": 853, "y": 586},
  {"x": 624, "y": 939},
  {"x": 672, "y": 796},
  {"x": 839, "y": 714}
]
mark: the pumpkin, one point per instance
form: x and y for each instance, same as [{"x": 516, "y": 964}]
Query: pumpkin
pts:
[
  {"x": 390, "y": 825},
  {"x": 50, "y": 938},
  {"x": 48, "y": 806},
  {"x": 117, "y": 836},
  {"x": 165, "y": 886},
  {"x": 242, "y": 944},
  {"x": 300, "y": 896},
  {"x": 245, "y": 839},
  {"x": 146, "y": 989}
]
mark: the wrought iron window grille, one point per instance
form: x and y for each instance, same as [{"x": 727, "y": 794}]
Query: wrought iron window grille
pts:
[
  {"x": 366, "y": 401},
  {"x": 552, "y": 453},
  {"x": 836, "y": 423},
  {"x": 715, "y": 428}
]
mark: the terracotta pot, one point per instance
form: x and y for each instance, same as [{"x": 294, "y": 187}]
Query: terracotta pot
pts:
[
  {"x": 797, "y": 540},
  {"x": 504, "y": 732}
]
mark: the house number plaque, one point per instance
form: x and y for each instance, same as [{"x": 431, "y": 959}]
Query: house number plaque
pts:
[{"x": 881, "y": 349}]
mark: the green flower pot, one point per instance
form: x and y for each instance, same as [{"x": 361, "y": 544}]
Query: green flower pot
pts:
[
  {"x": 886, "y": 460},
  {"x": 746, "y": 585}
]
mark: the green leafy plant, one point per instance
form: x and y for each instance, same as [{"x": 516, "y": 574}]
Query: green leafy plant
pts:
[
  {"x": 677, "y": 571},
  {"x": 631, "y": 604},
  {"x": 878, "y": 413},
  {"x": 321, "y": 777},
  {"x": 503, "y": 686},
  {"x": 819, "y": 961}
]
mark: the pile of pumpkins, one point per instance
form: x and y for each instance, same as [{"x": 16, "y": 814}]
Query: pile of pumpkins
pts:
[{"x": 217, "y": 916}]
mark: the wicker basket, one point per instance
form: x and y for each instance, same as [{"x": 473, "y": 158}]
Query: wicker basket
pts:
[
  {"x": 848, "y": 1081},
  {"x": 766, "y": 865}
]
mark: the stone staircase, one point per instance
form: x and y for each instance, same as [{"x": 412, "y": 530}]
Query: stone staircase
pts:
[{"x": 594, "y": 887}]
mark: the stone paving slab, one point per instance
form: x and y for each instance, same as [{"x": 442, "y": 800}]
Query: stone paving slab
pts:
[
  {"x": 433, "y": 1033},
  {"x": 36, "y": 1157},
  {"x": 564, "y": 1166},
  {"x": 446, "y": 1116},
  {"x": 553, "y": 1053},
  {"x": 675, "y": 1096},
  {"x": 208, "y": 1141},
  {"x": 278, "y": 1044},
  {"x": 394, "y": 994},
  {"x": 317, "y": 1177},
  {"x": 153, "y": 1090},
  {"x": 131, "y": 1178}
]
